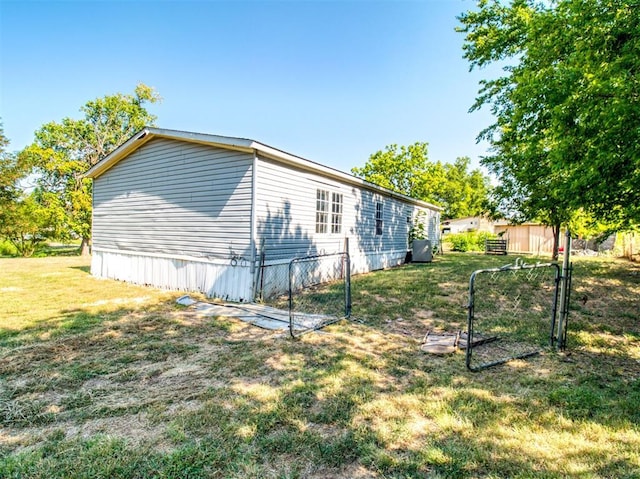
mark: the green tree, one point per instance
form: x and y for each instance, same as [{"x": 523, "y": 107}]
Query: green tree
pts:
[
  {"x": 566, "y": 107},
  {"x": 407, "y": 170},
  {"x": 25, "y": 223},
  {"x": 463, "y": 192},
  {"x": 22, "y": 219},
  {"x": 9, "y": 173},
  {"x": 63, "y": 152}
]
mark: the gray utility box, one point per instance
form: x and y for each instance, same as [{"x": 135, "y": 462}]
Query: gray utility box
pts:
[{"x": 421, "y": 251}]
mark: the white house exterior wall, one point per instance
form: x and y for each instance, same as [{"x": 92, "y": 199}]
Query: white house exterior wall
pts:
[
  {"x": 176, "y": 215},
  {"x": 173, "y": 211},
  {"x": 286, "y": 223}
]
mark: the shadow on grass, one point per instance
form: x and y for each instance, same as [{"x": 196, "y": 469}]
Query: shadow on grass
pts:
[
  {"x": 85, "y": 269},
  {"x": 75, "y": 321},
  {"x": 228, "y": 402}
]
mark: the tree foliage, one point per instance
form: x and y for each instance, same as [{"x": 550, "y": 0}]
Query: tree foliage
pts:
[
  {"x": 9, "y": 172},
  {"x": 62, "y": 152},
  {"x": 23, "y": 221},
  {"x": 567, "y": 106},
  {"x": 407, "y": 170},
  {"x": 404, "y": 169},
  {"x": 463, "y": 192}
]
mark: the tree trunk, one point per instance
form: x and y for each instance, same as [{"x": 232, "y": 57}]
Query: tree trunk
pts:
[
  {"x": 556, "y": 241},
  {"x": 84, "y": 247}
]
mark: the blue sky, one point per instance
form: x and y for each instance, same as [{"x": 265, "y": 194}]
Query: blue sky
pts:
[{"x": 331, "y": 81}]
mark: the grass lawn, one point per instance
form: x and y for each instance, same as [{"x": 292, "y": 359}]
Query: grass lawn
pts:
[{"x": 104, "y": 379}]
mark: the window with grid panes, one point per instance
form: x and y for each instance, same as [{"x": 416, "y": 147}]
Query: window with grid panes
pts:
[
  {"x": 322, "y": 211},
  {"x": 378, "y": 218},
  {"x": 336, "y": 213}
]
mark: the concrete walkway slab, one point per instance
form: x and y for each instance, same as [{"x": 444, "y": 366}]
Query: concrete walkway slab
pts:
[{"x": 263, "y": 316}]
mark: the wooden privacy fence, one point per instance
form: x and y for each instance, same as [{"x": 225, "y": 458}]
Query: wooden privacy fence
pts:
[
  {"x": 628, "y": 245},
  {"x": 538, "y": 239},
  {"x": 528, "y": 238}
]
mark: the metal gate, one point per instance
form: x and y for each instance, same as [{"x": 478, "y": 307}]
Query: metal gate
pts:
[
  {"x": 319, "y": 291},
  {"x": 512, "y": 313}
]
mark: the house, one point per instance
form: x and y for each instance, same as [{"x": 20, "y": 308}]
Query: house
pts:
[
  {"x": 225, "y": 216},
  {"x": 469, "y": 223}
]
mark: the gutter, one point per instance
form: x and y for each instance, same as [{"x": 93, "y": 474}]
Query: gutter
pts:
[{"x": 246, "y": 145}]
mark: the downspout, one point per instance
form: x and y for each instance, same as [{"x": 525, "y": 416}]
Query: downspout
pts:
[{"x": 253, "y": 227}]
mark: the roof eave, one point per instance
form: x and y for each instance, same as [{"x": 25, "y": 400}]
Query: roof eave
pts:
[
  {"x": 308, "y": 165},
  {"x": 148, "y": 133},
  {"x": 241, "y": 144}
]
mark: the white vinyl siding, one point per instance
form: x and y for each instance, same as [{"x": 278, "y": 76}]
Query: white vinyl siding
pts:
[
  {"x": 286, "y": 212},
  {"x": 183, "y": 215},
  {"x": 287, "y": 204},
  {"x": 175, "y": 198}
]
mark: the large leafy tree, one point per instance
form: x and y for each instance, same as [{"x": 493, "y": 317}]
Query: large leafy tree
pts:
[
  {"x": 62, "y": 152},
  {"x": 463, "y": 192},
  {"x": 407, "y": 170},
  {"x": 23, "y": 221},
  {"x": 567, "y": 105},
  {"x": 9, "y": 173}
]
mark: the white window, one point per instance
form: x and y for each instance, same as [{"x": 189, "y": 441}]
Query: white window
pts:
[
  {"x": 336, "y": 213},
  {"x": 322, "y": 211}
]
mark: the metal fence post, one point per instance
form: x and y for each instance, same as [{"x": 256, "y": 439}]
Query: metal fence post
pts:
[{"x": 564, "y": 292}]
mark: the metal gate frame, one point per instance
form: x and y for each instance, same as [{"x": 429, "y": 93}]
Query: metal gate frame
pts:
[
  {"x": 559, "y": 339},
  {"x": 517, "y": 266},
  {"x": 346, "y": 271}
]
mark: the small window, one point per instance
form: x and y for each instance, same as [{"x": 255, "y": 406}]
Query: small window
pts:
[
  {"x": 322, "y": 211},
  {"x": 378, "y": 218},
  {"x": 336, "y": 213}
]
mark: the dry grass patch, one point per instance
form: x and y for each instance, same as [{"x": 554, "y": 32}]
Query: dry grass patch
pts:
[{"x": 105, "y": 379}]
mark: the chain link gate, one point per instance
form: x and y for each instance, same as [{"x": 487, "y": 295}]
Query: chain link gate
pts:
[
  {"x": 512, "y": 312},
  {"x": 319, "y": 291}
]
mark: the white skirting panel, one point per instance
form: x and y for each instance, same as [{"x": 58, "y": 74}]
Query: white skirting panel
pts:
[
  {"x": 275, "y": 275},
  {"x": 365, "y": 262},
  {"x": 215, "y": 279}
]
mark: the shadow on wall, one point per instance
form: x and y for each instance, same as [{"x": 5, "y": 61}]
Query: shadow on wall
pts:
[
  {"x": 284, "y": 238},
  {"x": 368, "y": 247},
  {"x": 281, "y": 242}
]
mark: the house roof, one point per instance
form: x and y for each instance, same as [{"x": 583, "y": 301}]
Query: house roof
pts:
[
  {"x": 505, "y": 222},
  {"x": 240, "y": 144},
  {"x": 464, "y": 219}
]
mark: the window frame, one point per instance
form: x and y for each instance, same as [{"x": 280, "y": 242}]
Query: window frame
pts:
[
  {"x": 322, "y": 211},
  {"x": 329, "y": 211},
  {"x": 379, "y": 218},
  {"x": 337, "y": 205}
]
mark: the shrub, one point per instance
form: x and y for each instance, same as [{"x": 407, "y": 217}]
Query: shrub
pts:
[
  {"x": 469, "y": 241},
  {"x": 7, "y": 249}
]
